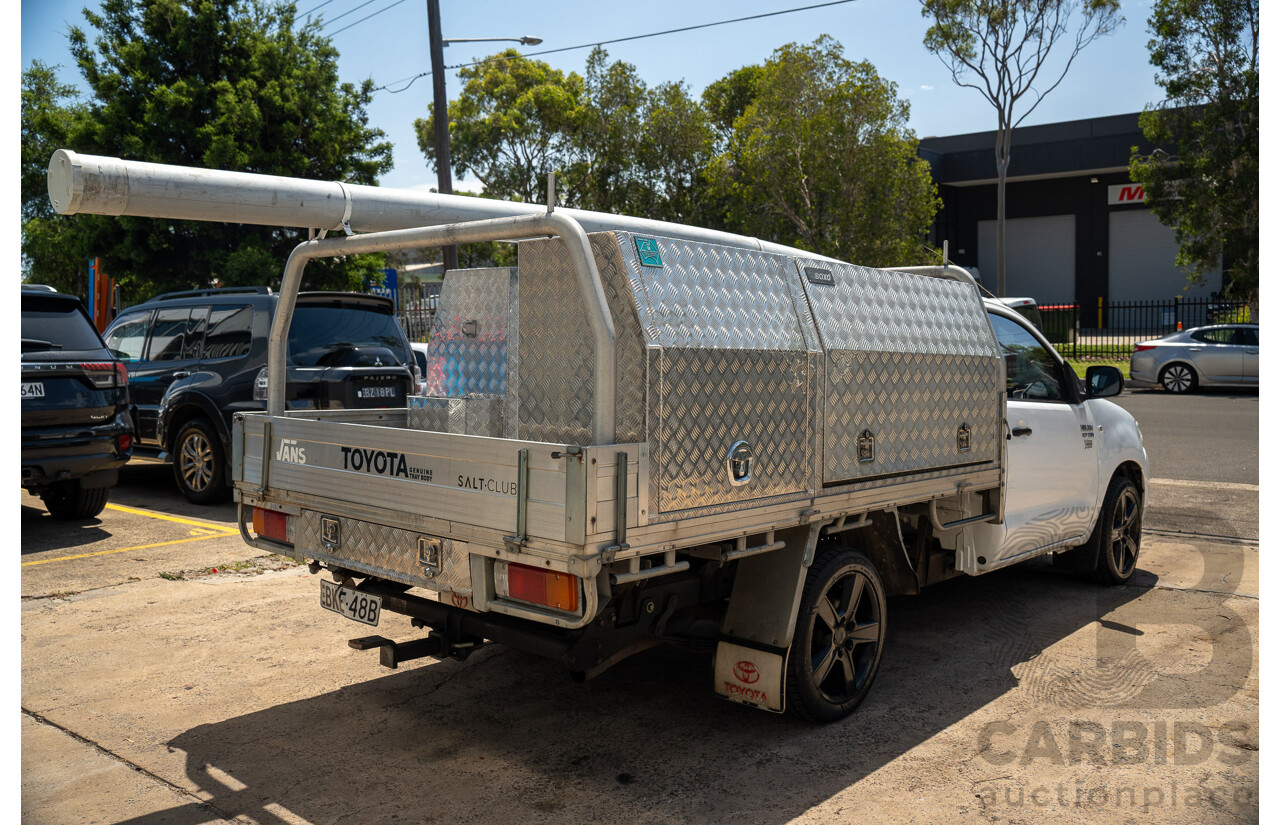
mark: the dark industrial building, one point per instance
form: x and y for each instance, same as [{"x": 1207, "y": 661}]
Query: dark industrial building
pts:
[{"x": 1077, "y": 228}]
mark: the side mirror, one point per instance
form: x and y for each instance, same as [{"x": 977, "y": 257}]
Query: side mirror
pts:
[{"x": 1103, "y": 382}]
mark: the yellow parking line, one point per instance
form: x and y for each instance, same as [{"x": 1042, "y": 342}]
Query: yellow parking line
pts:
[
  {"x": 152, "y": 514},
  {"x": 127, "y": 549}
]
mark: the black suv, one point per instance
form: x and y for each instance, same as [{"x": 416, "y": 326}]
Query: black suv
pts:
[
  {"x": 197, "y": 358},
  {"x": 76, "y": 428}
]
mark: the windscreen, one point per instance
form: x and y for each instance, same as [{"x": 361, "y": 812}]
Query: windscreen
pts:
[
  {"x": 345, "y": 336},
  {"x": 56, "y": 324}
]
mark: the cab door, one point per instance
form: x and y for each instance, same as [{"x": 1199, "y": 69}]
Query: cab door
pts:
[{"x": 1050, "y": 467}]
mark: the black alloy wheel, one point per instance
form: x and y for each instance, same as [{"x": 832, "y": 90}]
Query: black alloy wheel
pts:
[
  {"x": 839, "y": 636},
  {"x": 1117, "y": 537}
]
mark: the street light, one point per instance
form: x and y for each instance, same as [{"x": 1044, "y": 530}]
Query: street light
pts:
[
  {"x": 524, "y": 41},
  {"x": 443, "y": 179}
]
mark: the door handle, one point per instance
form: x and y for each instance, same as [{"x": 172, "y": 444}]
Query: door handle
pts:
[
  {"x": 1251, "y": 351},
  {"x": 1018, "y": 432},
  {"x": 1195, "y": 349}
]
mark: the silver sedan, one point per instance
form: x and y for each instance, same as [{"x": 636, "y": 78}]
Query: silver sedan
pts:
[{"x": 1223, "y": 355}]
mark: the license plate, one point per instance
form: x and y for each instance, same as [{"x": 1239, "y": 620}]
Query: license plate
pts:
[
  {"x": 376, "y": 392},
  {"x": 33, "y": 389},
  {"x": 357, "y": 606}
]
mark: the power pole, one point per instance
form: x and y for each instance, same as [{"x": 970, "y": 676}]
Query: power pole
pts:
[{"x": 443, "y": 178}]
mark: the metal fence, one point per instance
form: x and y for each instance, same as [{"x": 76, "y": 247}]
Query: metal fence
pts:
[
  {"x": 417, "y": 308},
  {"x": 1110, "y": 329}
]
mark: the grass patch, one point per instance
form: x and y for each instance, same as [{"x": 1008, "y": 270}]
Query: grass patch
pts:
[{"x": 1080, "y": 365}]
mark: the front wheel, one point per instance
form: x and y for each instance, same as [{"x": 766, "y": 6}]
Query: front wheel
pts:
[
  {"x": 1117, "y": 537},
  {"x": 839, "y": 635},
  {"x": 198, "y": 462}
]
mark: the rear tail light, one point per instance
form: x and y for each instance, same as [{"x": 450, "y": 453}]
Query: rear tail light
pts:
[
  {"x": 1141, "y": 348},
  {"x": 122, "y": 375},
  {"x": 123, "y": 443},
  {"x": 104, "y": 374},
  {"x": 260, "y": 385},
  {"x": 548, "y": 588},
  {"x": 271, "y": 524}
]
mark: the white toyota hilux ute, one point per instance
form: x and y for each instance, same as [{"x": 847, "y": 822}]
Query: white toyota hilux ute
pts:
[{"x": 648, "y": 432}]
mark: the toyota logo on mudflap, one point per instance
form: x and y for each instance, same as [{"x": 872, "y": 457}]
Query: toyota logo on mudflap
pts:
[{"x": 746, "y": 673}]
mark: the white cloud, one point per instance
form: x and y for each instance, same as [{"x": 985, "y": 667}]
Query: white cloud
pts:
[{"x": 926, "y": 88}]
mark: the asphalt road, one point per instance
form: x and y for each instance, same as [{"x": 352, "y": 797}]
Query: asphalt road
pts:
[{"x": 1205, "y": 436}]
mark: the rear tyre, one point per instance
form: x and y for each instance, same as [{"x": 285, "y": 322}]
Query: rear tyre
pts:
[
  {"x": 1178, "y": 378},
  {"x": 198, "y": 463},
  {"x": 1117, "y": 536},
  {"x": 839, "y": 635},
  {"x": 69, "y": 501}
]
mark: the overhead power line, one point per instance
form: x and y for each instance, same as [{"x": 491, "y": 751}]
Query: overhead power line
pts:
[
  {"x": 615, "y": 40},
  {"x": 366, "y": 17},
  {"x": 309, "y": 11}
]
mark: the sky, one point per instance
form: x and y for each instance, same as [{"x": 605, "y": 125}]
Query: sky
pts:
[{"x": 1111, "y": 76}]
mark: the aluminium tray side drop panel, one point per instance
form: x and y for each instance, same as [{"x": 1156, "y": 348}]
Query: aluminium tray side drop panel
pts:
[{"x": 911, "y": 360}]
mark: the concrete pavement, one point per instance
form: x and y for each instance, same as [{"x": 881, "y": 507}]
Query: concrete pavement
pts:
[{"x": 1024, "y": 695}]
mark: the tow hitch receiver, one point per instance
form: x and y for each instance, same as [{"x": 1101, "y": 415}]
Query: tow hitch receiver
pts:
[{"x": 391, "y": 654}]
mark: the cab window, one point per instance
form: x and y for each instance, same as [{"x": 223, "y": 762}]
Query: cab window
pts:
[
  {"x": 128, "y": 337},
  {"x": 1031, "y": 371}
]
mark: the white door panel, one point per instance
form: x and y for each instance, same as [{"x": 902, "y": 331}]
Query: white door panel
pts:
[
  {"x": 1051, "y": 466},
  {"x": 1052, "y": 475}
]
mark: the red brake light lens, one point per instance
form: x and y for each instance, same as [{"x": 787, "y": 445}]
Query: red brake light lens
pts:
[
  {"x": 1142, "y": 349},
  {"x": 549, "y": 588},
  {"x": 123, "y": 443},
  {"x": 271, "y": 524},
  {"x": 102, "y": 374}
]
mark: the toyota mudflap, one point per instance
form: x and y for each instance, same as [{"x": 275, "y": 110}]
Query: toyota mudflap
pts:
[{"x": 648, "y": 433}]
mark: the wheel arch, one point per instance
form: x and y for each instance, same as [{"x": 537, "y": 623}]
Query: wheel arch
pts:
[{"x": 190, "y": 406}]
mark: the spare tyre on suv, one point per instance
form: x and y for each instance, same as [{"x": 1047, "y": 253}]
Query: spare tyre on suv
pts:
[
  {"x": 195, "y": 359},
  {"x": 76, "y": 428}
]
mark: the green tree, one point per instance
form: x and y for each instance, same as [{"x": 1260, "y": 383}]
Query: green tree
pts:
[
  {"x": 605, "y": 174},
  {"x": 51, "y": 113},
  {"x": 226, "y": 85},
  {"x": 1001, "y": 48},
  {"x": 727, "y": 98},
  {"x": 510, "y": 126},
  {"x": 822, "y": 159},
  {"x": 677, "y": 143},
  {"x": 1206, "y": 56},
  {"x": 637, "y": 151}
]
